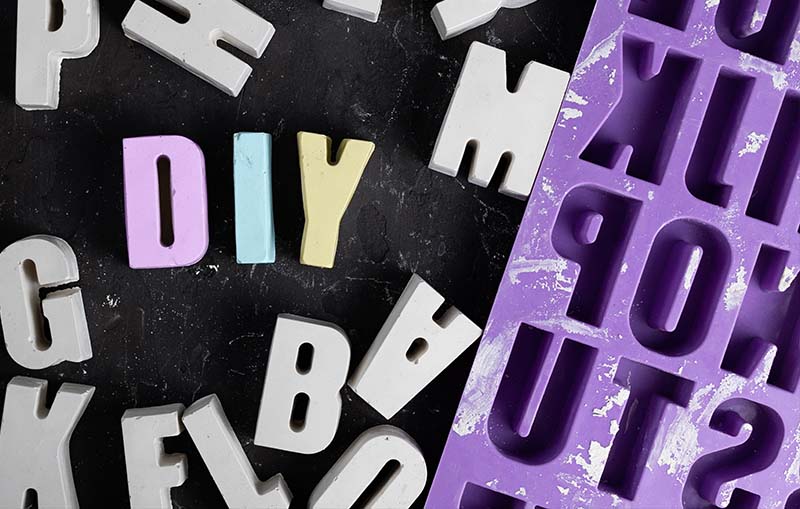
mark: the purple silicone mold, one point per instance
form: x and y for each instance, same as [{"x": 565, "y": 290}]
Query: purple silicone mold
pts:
[{"x": 644, "y": 347}]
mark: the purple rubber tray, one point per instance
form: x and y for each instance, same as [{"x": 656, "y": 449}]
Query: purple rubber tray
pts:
[{"x": 644, "y": 347}]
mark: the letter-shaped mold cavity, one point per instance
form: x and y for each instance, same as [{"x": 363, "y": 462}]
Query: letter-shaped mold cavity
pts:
[
  {"x": 772, "y": 40},
  {"x": 643, "y": 127},
  {"x": 592, "y": 230},
  {"x": 769, "y": 318},
  {"x": 651, "y": 390},
  {"x": 673, "y": 13},
  {"x": 682, "y": 283},
  {"x": 479, "y": 497},
  {"x": 532, "y": 356},
  {"x": 757, "y": 453},
  {"x": 779, "y": 169},
  {"x": 714, "y": 147}
]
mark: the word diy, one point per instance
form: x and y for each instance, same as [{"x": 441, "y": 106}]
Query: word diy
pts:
[
  {"x": 300, "y": 405},
  {"x": 49, "y": 32},
  {"x": 173, "y": 231}
]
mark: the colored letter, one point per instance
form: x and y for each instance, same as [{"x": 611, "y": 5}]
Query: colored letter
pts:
[
  {"x": 327, "y": 191},
  {"x": 252, "y": 175},
  {"x": 166, "y": 207}
]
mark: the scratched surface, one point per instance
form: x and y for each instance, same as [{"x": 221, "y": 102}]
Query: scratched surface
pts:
[
  {"x": 643, "y": 348},
  {"x": 173, "y": 336}
]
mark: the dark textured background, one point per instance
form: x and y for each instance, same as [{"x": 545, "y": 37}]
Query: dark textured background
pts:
[{"x": 171, "y": 336}]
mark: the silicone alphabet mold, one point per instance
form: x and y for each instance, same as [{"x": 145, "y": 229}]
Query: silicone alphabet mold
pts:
[
  {"x": 151, "y": 472},
  {"x": 301, "y": 404},
  {"x": 47, "y": 33},
  {"x": 364, "y": 9},
  {"x": 252, "y": 182},
  {"x": 642, "y": 350},
  {"x": 454, "y": 17},
  {"x": 411, "y": 349},
  {"x": 27, "y": 268},
  {"x": 166, "y": 205},
  {"x": 483, "y": 112},
  {"x": 193, "y": 44},
  {"x": 383, "y": 453},
  {"x": 222, "y": 453},
  {"x": 327, "y": 190},
  {"x": 34, "y": 443}
]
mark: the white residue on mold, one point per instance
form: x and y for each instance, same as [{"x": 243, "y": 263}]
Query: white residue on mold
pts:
[
  {"x": 480, "y": 388},
  {"x": 522, "y": 492},
  {"x": 598, "y": 455},
  {"x": 750, "y": 63},
  {"x": 788, "y": 277},
  {"x": 573, "y": 97},
  {"x": 522, "y": 265},
  {"x": 794, "y": 56},
  {"x": 624, "y": 268},
  {"x": 681, "y": 447},
  {"x": 601, "y": 51},
  {"x": 725, "y": 492},
  {"x": 691, "y": 270},
  {"x": 765, "y": 367},
  {"x": 753, "y": 144},
  {"x": 793, "y": 472},
  {"x": 112, "y": 300},
  {"x": 651, "y": 195},
  {"x": 570, "y": 113},
  {"x": 563, "y": 490},
  {"x": 547, "y": 187},
  {"x": 572, "y": 326},
  {"x": 710, "y": 4},
  {"x": 734, "y": 294},
  {"x": 619, "y": 399},
  {"x": 757, "y": 21},
  {"x": 492, "y": 483}
]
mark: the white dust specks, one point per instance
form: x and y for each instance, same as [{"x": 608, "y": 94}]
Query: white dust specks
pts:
[
  {"x": 734, "y": 294},
  {"x": 793, "y": 472},
  {"x": 112, "y": 300},
  {"x": 794, "y": 56},
  {"x": 788, "y": 277},
  {"x": 573, "y": 97},
  {"x": 750, "y": 63},
  {"x": 570, "y": 114},
  {"x": 619, "y": 399},
  {"x": 753, "y": 144},
  {"x": 691, "y": 270}
]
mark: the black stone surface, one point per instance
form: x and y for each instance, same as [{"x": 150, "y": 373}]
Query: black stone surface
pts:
[{"x": 171, "y": 336}]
